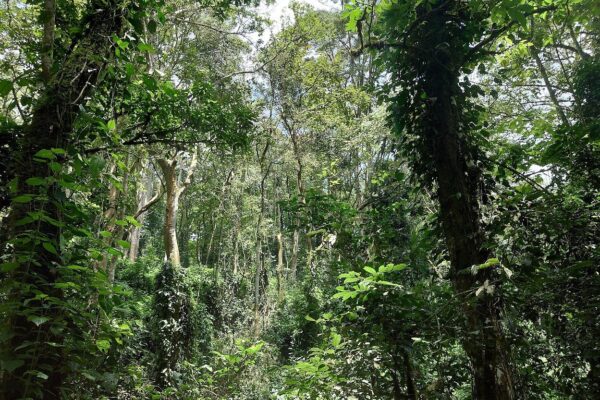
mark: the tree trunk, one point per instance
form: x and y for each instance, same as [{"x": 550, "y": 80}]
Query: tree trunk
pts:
[
  {"x": 47, "y": 56},
  {"x": 51, "y": 127},
  {"x": 172, "y": 203},
  {"x": 210, "y": 243},
  {"x": 144, "y": 204},
  {"x": 280, "y": 278},
  {"x": 295, "y": 249},
  {"x": 551, "y": 92},
  {"x": 460, "y": 222},
  {"x": 440, "y": 124},
  {"x": 257, "y": 279},
  {"x": 171, "y": 301},
  {"x": 173, "y": 191},
  {"x": 411, "y": 389},
  {"x": 236, "y": 245}
]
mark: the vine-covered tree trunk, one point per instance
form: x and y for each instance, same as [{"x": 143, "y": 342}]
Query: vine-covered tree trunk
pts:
[
  {"x": 50, "y": 128},
  {"x": 443, "y": 126},
  {"x": 436, "y": 116}
]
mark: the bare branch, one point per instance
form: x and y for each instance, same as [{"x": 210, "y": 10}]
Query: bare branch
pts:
[{"x": 150, "y": 202}]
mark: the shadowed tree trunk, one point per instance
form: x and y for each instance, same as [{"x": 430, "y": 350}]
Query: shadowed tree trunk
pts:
[
  {"x": 438, "y": 116},
  {"x": 260, "y": 261},
  {"x": 51, "y": 127}
]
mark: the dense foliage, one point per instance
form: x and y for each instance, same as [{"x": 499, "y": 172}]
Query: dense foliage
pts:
[{"x": 383, "y": 199}]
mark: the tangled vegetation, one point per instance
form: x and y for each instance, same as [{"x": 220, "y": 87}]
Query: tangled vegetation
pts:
[{"x": 378, "y": 199}]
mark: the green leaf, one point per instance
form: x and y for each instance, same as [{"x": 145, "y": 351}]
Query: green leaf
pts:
[
  {"x": 45, "y": 154},
  {"x": 24, "y": 198},
  {"x": 114, "y": 252},
  {"x": 41, "y": 375},
  {"x": 50, "y": 248},
  {"x": 55, "y": 167},
  {"x": 492, "y": 262},
  {"x": 35, "y": 181},
  {"x": 336, "y": 339},
  {"x": 11, "y": 365},
  {"x": 76, "y": 267},
  {"x": 111, "y": 125},
  {"x": 121, "y": 43},
  {"x": 88, "y": 376},
  {"x": 123, "y": 243},
  {"x": 105, "y": 234},
  {"x": 38, "y": 320},
  {"x": 6, "y": 87},
  {"x": 9, "y": 266},
  {"x": 103, "y": 345},
  {"x": 133, "y": 221},
  {"x": 145, "y": 47},
  {"x": 370, "y": 270}
]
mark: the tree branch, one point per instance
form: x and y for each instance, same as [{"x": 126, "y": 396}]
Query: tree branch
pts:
[
  {"x": 499, "y": 31},
  {"x": 150, "y": 203}
]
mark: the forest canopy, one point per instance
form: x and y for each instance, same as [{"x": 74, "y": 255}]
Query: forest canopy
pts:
[{"x": 252, "y": 200}]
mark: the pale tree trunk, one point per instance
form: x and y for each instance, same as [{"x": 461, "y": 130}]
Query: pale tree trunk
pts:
[
  {"x": 236, "y": 244},
  {"x": 134, "y": 241},
  {"x": 257, "y": 276},
  {"x": 144, "y": 204},
  {"x": 135, "y": 232},
  {"x": 173, "y": 191},
  {"x": 109, "y": 218},
  {"x": 170, "y": 233},
  {"x": 551, "y": 91},
  {"x": 210, "y": 242},
  {"x": 280, "y": 278},
  {"x": 295, "y": 250},
  {"x": 280, "y": 254},
  {"x": 112, "y": 214}
]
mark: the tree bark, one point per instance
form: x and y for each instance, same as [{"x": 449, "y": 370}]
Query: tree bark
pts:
[
  {"x": 49, "y": 18},
  {"x": 411, "y": 389},
  {"x": 173, "y": 191},
  {"x": 51, "y": 127},
  {"x": 551, "y": 92},
  {"x": 144, "y": 204},
  {"x": 295, "y": 250},
  {"x": 441, "y": 125},
  {"x": 280, "y": 278},
  {"x": 492, "y": 378},
  {"x": 169, "y": 170}
]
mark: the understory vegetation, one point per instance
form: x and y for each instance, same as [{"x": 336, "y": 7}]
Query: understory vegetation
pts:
[{"x": 372, "y": 199}]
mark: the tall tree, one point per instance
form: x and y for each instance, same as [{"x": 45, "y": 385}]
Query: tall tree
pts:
[
  {"x": 427, "y": 47},
  {"x": 36, "y": 245}
]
